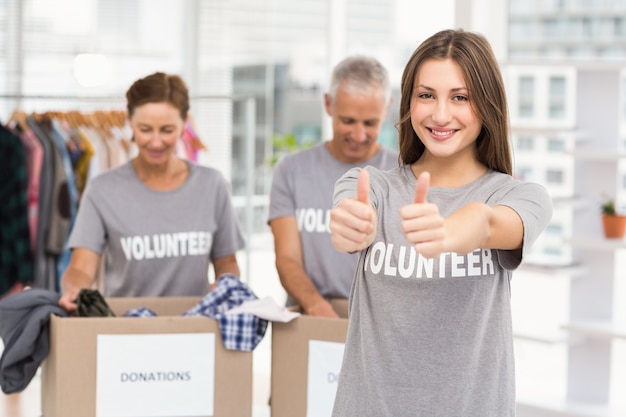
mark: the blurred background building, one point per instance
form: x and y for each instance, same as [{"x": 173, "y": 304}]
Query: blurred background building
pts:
[{"x": 257, "y": 72}]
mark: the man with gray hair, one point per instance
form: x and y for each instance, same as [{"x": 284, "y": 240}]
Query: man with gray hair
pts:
[{"x": 311, "y": 270}]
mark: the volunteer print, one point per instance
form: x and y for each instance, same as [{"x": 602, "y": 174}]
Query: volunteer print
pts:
[
  {"x": 313, "y": 220},
  {"x": 166, "y": 245},
  {"x": 403, "y": 261}
]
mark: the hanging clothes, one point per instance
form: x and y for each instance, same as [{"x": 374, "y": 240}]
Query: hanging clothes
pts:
[
  {"x": 51, "y": 157},
  {"x": 16, "y": 261},
  {"x": 34, "y": 156},
  {"x": 81, "y": 166},
  {"x": 190, "y": 144},
  {"x": 54, "y": 214}
]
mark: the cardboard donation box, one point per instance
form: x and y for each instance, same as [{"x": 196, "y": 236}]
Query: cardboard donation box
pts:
[
  {"x": 306, "y": 359},
  {"x": 162, "y": 366}
]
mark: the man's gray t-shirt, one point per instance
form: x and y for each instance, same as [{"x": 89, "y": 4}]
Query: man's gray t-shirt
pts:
[
  {"x": 158, "y": 243},
  {"x": 433, "y": 337},
  {"x": 302, "y": 186}
]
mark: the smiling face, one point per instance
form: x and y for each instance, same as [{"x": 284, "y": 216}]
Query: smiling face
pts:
[
  {"x": 357, "y": 117},
  {"x": 156, "y": 128},
  {"x": 441, "y": 112}
]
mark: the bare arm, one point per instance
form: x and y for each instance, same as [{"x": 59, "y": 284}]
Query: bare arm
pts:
[
  {"x": 80, "y": 273},
  {"x": 226, "y": 265},
  {"x": 475, "y": 225},
  {"x": 290, "y": 266},
  {"x": 478, "y": 225}
]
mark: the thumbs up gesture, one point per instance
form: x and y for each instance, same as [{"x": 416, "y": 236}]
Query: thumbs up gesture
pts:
[
  {"x": 353, "y": 222},
  {"x": 363, "y": 187},
  {"x": 422, "y": 224}
]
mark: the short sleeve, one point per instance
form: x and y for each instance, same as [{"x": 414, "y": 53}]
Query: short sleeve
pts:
[
  {"x": 89, "y": 230},
  {"x": 534, "y": 206},
  {"x": 345, "y": 187},
  {"x": 228, "y": 238},
  {"x": 282, "y": 201}
]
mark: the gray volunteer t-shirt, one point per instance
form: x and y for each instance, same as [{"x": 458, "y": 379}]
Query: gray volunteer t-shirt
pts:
[
  {"x": 302, "y": 186},
  {"x": 158, "y": 243},
  {"x": 433, "y": 337}
]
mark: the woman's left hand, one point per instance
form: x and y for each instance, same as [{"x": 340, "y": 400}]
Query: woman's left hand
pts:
[{"x": 422, "y": 224}]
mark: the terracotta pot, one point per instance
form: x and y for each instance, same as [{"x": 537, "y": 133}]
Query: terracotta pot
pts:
[{"x": 614, "y": 226}]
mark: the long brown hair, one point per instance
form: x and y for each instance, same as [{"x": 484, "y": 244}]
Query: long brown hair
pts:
[{"x": 480, "y": 69}]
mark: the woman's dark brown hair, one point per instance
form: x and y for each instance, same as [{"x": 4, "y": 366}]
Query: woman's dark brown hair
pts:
[
  {"x": 480, "y": 69},
  {"x": 158, "y": 88}
]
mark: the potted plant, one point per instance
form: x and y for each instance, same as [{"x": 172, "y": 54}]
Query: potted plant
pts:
[{"x": 613, "y": 223}]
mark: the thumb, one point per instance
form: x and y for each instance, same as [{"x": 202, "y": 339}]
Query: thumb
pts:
[
  {"x": 363, "y": 187},
  {"x": 423, "y": 182}
]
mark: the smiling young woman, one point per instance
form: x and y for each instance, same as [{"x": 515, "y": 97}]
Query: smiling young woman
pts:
[{"x": 438, "y": 239}]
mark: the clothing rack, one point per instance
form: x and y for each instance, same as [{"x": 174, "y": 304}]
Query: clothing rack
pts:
[{"x": 51, "y": 156}]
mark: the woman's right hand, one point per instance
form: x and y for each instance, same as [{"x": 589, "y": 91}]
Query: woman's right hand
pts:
[
  {"x": 80, "y": 273},
  {"x": 353, "y": 222},
  {"x": 67, "y": 302}
]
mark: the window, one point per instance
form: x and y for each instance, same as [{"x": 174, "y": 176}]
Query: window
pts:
[
  {"x": 556, "y": 145},
  {"x": 557, "y": 87},
  {"x": 307, "y": 134},
  {"x": 557, "y": 93},
  {"x": 525, "y": 143},
  {"x": 554, "y": 176},
  {"x": 555, "y": 28},
  {"x": 623, "y": 94},
  {"x": 526, "y": 96},
  {"x": 553, "y": 251},
  {"x": 522, "y": 6},
  {"x": 520, "y": 30},
  {"x": 118, "y": 17},
  {"x": 619, "y": 27},
  {"x": 524, "y": 173},
  {"x": 554, "y": 229},
  {"x": 557, "y": 110},
  {"x": 550, "y": 29},
  {"x": 586, "y": 28}
]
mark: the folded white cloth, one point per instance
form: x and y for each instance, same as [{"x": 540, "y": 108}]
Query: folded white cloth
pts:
[{"x": 265, "y": 308}]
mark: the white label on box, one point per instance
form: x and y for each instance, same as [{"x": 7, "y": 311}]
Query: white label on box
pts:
[
  {"x": 155, "y": 375},
  {"x": 325, "y": 360}
]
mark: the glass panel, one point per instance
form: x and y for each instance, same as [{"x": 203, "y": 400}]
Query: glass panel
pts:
[
  {"x": 554, "y": 176},
  {"x": 526, "y": 96},
  {"x": 556, "y": 145},
  {"x": 525, "y": 143},
  {"x": 554, "y": 229}
]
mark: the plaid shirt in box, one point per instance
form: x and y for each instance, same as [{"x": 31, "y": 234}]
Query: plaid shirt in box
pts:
[{"x": 239, "y": 331}]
